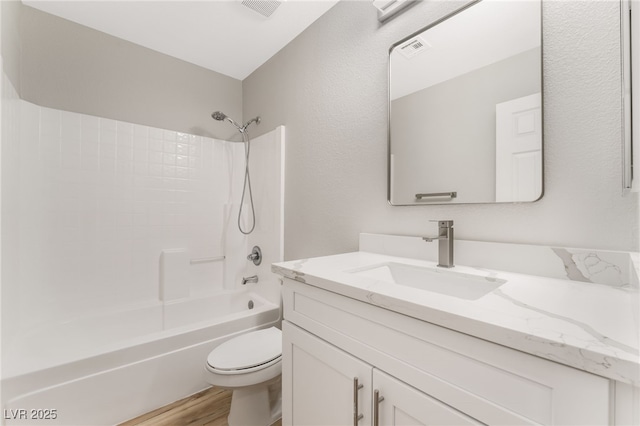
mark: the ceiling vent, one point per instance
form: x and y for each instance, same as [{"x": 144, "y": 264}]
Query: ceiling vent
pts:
[
  {"x": 263, "y": 7},
  {"x": 390, "y": 8},
  {"x": 414, "y": 47}
]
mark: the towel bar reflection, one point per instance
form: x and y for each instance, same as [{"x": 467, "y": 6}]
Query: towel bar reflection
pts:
[
  {"x": 206, "y": 260},
  {"x": 450, "y": 195}
]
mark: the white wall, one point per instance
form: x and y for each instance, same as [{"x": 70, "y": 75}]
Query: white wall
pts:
[
  {"x": 97, "y": 200},
  {"x": 329, "y": 87},
  {"x": 10, "y": 124},
  {"x": 90, "y": 203}
]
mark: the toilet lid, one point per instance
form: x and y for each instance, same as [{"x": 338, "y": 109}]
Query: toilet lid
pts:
[{"x": 247, "y": 350}]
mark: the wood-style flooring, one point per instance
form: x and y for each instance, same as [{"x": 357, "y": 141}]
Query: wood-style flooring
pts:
[{"x": 207, "y": 408}]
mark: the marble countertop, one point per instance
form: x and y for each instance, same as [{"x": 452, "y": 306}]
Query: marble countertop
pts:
[{"x": 588, "y": 326}]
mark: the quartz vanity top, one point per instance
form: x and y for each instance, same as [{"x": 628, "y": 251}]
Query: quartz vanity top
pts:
[{"x": 589, "y": 326}]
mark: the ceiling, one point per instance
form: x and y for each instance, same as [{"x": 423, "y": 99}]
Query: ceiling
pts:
[
  {"x": 487, "y": 32},
  {"x": 220, "y": 35}
]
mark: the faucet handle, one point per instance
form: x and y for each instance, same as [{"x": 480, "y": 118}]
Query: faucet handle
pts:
[{"x": 255, "y": 256}]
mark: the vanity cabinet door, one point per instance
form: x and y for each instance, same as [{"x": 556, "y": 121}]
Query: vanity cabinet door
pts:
[
  {"x": 318, "y": 382},
  {"x": 402, "y": 405}
]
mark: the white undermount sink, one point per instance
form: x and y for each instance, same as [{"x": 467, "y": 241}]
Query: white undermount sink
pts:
[{"x": 438, "y": 280}]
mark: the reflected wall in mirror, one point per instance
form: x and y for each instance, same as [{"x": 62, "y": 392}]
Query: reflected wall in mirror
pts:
[{"x": 465, "y": 111}]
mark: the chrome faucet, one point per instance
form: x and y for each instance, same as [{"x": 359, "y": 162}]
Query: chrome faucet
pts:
[
  {"x": 251, "y": 279},
  {"x": 445, "y": 243}
]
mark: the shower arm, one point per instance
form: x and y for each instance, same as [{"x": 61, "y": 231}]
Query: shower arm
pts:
[{"x": 253, "y": 120}]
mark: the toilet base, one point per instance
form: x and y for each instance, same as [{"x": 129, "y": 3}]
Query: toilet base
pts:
[{"x": 258, "y": 405}]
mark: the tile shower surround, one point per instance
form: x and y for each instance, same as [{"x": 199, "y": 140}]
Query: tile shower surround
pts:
[{"x": 98, "y": 201}]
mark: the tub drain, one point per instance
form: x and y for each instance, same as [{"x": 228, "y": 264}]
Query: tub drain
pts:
[{"x": 250, "y": 304}]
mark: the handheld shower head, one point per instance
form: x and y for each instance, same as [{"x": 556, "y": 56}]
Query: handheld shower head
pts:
[{"x": 220, "y": 116}]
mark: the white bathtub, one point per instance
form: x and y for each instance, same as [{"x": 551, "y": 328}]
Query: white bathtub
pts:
[{"x": 113, "y": 366}]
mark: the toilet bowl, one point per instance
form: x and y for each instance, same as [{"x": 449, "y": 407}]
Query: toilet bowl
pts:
[{"x": 250, "y": 365}]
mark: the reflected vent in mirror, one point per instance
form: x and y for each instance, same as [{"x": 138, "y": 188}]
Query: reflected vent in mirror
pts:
[
  {"x": 263, "y": 7},
  {"x": 414, "y": 47}
]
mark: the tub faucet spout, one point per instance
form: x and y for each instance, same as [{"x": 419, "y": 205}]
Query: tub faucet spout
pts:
[
  {"x": 445, "y": 243},
  {"x": 251, "y": 279}
]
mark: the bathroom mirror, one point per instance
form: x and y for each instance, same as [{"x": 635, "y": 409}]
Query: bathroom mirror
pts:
[{"x": 465, "y": 108}]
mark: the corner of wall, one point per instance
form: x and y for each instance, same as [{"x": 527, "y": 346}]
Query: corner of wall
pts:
[{"x": 10, "y": 12}]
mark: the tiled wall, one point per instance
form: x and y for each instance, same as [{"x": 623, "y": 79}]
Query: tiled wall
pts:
[{"x": 92, "y": 202}]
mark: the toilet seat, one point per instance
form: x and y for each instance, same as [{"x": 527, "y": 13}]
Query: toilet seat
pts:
[{"x": 246, "y": 353}]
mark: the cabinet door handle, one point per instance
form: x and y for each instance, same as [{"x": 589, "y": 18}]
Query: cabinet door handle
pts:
[
  {"x": 377, "y": 399},
  {"x": 356, "y": 415}
]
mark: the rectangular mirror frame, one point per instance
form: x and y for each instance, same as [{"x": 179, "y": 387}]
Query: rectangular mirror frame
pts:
[{"x": 445, "y": 197}]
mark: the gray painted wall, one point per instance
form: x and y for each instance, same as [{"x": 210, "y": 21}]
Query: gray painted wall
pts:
[
  {"x": 444, "y": 136},
  {"x": 329, "y": 87},
  {"x": 74, "y": 68}
]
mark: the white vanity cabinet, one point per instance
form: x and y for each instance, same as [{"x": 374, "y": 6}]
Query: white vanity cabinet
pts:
[
  {"x": 426, "y": 374},
  {"x": 321, "y": 381},
  {"x": 330, "y": 387}
]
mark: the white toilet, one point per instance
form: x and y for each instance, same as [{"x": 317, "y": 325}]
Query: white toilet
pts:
[{"x": 250, "y": 365}]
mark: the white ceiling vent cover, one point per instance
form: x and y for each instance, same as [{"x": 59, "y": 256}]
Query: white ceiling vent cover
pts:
[
  {"x": 263, "y": 7},
  {"x": 414, "y": 47}
]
